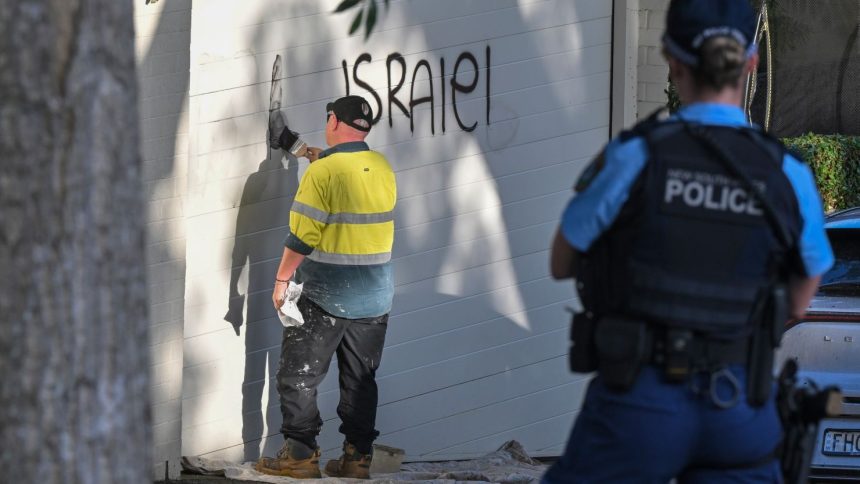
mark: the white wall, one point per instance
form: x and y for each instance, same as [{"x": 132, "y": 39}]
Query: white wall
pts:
[
  {"x": 477, "y": 342},
  {"x": 652, "y": 68},
  {"x": 475, "y": 211},
  {"x": 162, "y": 42}
]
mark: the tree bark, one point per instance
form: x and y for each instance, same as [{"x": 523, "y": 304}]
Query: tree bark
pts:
[{"x": 74, "y": 383}]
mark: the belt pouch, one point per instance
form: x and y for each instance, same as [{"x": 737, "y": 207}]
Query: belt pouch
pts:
[
  {"x": 769, "y": 319},
  {"x": 760, "y": 367},
  {"x": 582, "y": 357},
  {"x": 623, "y": 346}
]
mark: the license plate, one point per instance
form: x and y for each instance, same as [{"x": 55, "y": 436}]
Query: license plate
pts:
[{"x": 841, "y": 442}]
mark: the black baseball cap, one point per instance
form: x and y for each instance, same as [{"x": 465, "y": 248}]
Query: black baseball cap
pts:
[
  {"x": 689, "y": 23},
  {"x": 352, "y": 110}
]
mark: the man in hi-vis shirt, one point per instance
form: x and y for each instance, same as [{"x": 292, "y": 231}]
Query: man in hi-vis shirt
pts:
[{"x": 339, "y": 247}]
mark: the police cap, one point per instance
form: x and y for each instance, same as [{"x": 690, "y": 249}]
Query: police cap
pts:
[{"x": 689, "y": 23}]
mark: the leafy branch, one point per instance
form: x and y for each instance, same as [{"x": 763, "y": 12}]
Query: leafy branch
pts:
[
  {"x": 673, "y": 100},
  {"x": 367, "y": 13}
]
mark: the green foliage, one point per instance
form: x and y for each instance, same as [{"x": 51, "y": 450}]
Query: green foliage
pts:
[
  {"x": 356, "y": 22},
  {"x": 369, "y": 19},
  {"x": 835, "y": 160},
  {"x": 673, "y": 102}
]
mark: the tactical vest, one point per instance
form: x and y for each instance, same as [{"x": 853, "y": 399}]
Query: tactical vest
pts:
[{"x": 691, "y": 247}]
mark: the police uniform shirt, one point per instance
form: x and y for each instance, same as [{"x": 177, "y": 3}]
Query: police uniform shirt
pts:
[{"x": 596, "y": 207}]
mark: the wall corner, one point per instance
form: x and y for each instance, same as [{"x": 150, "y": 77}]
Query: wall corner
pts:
[{"x": 625, "y": 60}]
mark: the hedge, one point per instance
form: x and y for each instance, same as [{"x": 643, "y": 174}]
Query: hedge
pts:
[{"x": 835, "y": 160}]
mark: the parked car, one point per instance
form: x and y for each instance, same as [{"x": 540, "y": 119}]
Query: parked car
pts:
[{"x": 826, "y": 345}]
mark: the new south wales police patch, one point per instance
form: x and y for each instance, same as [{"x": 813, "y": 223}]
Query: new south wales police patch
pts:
[{"x": 702, "y": 193}]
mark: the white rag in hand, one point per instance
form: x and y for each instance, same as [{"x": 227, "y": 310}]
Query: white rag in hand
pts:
[{"x": 289, "y": 312}]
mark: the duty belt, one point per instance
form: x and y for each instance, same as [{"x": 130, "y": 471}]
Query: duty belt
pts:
[
  {"x": 681, "y": 352},
  {"x": 701, "y": 362}
]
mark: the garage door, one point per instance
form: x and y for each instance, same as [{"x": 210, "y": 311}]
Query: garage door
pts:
[{"x": 488, "y": 110}]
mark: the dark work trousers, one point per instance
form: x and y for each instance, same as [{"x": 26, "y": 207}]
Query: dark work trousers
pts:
[{"x": 306, "y": 353}]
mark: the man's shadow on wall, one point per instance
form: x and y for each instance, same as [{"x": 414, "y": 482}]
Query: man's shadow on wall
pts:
[{"x": 263, "y": 210}]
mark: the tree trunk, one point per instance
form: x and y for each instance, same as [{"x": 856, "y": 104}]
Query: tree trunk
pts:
[{"x": 74, "y": 384}]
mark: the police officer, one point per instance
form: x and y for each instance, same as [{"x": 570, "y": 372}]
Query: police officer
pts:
[{"x": 689, "y": 237}]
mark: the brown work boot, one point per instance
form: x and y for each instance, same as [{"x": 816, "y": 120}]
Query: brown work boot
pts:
[
  {"x": 351, "y": 464},
  {"x": 295, "y": 460}
]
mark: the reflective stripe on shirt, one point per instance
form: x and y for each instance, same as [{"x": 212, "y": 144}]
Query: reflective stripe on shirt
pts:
[
  {"x": 349, "y": 259},
  {"x": 343, "y": 217}
]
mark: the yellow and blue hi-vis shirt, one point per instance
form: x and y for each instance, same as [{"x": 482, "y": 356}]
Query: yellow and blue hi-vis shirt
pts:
[{"x": 342, "y": 219}]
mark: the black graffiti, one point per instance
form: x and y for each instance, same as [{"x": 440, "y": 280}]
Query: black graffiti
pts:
[
  {"x": 366, "y": 86},
  {"x": 392, "y": 93},
  {"x": 396, "y": 70},
  {"x": 456, "y": 87}
]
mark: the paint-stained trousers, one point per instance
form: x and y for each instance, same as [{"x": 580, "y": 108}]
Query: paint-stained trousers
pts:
[{"x": 306, "y": 353}]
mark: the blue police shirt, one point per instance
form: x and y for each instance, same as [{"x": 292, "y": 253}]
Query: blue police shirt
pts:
[{"x": 591, "y": 212}]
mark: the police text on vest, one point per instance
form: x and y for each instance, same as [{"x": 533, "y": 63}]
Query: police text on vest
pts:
[{"x": 710, "y": 191}]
